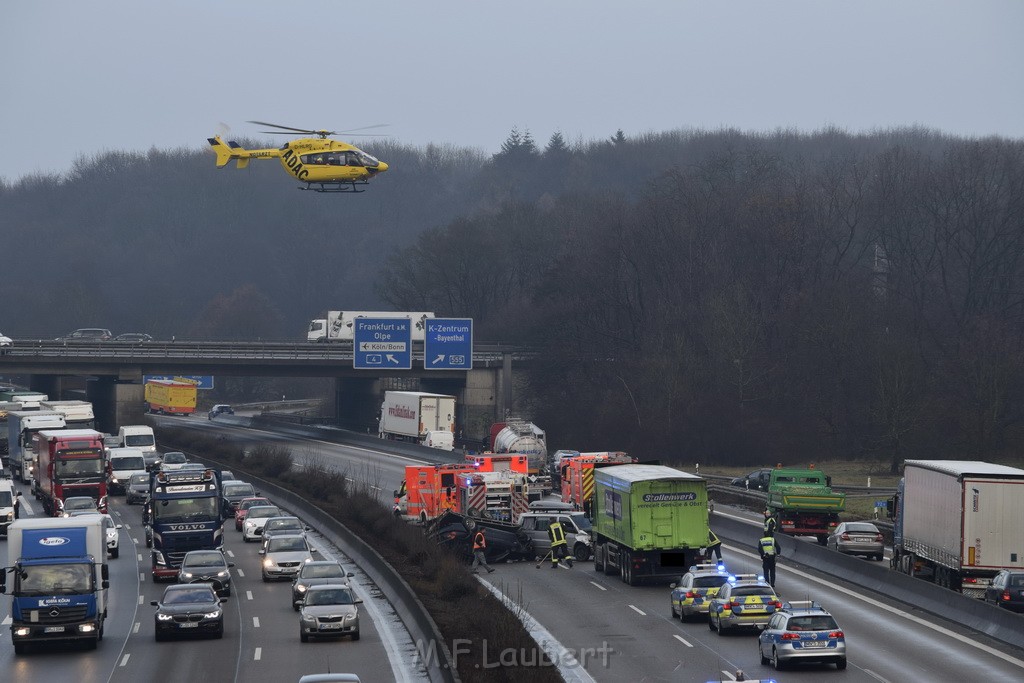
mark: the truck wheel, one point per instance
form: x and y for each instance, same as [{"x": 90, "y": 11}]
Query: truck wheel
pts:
[
  {"x": 114, "y": 552},
  {"x": 822, "y": 539},
  {"x": 581, "y": 552},
  {"x": 598, "y": 561}
]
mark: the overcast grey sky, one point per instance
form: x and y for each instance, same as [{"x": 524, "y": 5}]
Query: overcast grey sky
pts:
[{"x": 79, "y": 78}]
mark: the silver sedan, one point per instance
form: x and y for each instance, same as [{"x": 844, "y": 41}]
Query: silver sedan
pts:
[{"x": 857, "y": 538}]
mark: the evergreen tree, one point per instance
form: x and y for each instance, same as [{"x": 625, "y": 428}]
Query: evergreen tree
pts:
[{"x": 619, "y": 137}]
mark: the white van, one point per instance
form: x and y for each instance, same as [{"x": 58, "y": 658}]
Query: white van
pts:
[
  {"x": 137, "y": 436},
  {"x": 122, "y": 463},
  {"x": 6, "y": 505}
]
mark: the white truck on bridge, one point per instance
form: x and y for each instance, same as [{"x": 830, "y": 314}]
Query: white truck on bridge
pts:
[{"x": 338, "y": 325}]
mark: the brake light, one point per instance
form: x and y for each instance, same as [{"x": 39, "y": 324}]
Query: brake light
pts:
[
  {"x": 1005, "y": 596},
  {"x": 969, "y": 580},
  {"x": 777, "y": 603},
  {"x": 735, "y": 603},
  {"x": 790, "y": 636},
  {"x": 845, "y": 536},
  {"x": 836, "y": 634},
  {"x": 691, "y": 594}
]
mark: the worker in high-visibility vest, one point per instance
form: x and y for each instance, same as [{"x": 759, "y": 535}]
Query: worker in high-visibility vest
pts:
[
  {"x": 771, "y": 525},
  {"x": 559, "y": 546},
  {"x": 769, "y": 550},
  {"x": 714, "y": 545},
  {"x": 479, "y": 551}
]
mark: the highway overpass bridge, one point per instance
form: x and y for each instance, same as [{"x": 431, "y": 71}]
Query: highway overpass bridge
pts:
[{"x": 111, "y": 373}]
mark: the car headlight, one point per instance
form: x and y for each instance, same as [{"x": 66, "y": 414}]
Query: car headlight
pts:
[
  {"x": 268, "y": 562},
  {"x": 212, "y": 615},
  {"x": 301, "y": 588},
  {"x": 186, "y": 575},
  {"x": 350, "y": 617},
  {"x": 164, "y": 617},
  {"x": 309, "y": 559},
  {"x": 113, "y": 480},
  {"x": 221, "y": 575}
]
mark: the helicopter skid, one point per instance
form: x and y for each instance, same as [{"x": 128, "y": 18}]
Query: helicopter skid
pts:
[{"x": 332, "y": 187}]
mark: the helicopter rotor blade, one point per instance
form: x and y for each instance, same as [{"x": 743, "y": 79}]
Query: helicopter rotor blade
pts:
[
  {"x": 274, "y": 125},
  {"x": 352, "y": 130}
]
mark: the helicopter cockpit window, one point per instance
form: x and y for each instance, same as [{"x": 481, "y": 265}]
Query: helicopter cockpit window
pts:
[
  {"x": 366, "y": 160},
  {"x": 335, "y": 159},
  {"x": 353, "y": 159}
]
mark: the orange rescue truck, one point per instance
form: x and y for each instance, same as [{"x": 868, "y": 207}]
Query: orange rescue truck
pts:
[{"x": 578, "y": 475}]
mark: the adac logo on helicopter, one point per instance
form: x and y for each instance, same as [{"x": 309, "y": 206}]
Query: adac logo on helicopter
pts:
[
  {"x": 323, "y": 164},
  {"x": 292, "y": 162}
]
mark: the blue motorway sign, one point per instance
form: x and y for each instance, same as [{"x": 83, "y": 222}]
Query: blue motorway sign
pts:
[
  {"x": 382, "y": 344},
  {"x": 448, "y": 344},
  {"x": 201, "y": 381}
]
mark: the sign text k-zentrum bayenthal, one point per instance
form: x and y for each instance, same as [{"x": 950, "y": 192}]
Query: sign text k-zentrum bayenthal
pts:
[
  {"x": 386, "y": 343},
  {"x": 448, "y": 344}
]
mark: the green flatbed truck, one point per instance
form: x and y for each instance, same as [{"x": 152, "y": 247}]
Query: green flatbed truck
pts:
[
  {"x": 650, "y": 521},
  {"x": 803, "y": 502}
]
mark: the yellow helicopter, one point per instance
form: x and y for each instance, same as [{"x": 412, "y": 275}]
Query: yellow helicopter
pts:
[{"x": 324, "y": 165}]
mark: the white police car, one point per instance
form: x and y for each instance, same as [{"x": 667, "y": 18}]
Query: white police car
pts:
[{"x": 802, "y": 631}]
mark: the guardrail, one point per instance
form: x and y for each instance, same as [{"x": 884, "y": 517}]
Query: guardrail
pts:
[{"x": 226, "y": 350}]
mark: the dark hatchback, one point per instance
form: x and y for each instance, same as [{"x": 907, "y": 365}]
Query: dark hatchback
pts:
[
  {"x": 1007, "y": 590},
  {"x": 187, "y": 610}
]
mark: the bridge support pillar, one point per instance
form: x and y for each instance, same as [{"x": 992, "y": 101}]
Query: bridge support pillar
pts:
[
  {"x": 115, "y": 403},
  {"x": 357, "y": 402}
]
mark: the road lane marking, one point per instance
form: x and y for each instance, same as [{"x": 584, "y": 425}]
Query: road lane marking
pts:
[
  {"x": 638, "y": 610},
  {"x": 230, "y": 553},
  {"x": 127, "y": 526},
  {"x": 255, "y": 622},
  {"x": 594, "y": 583},
  {"x": 135, "y": 629},
  {"x": 241, "y": 574},
  {"x": 124, "y": 660},
  {"x": 248, "y": 595},
  {"x": 259, "y": 653},
  {"x": 682, "y": 640},
  {"x": 142, "y": 576},
  {"x": 141, "y": 598},
  {"x": 893, "y": 610},
  {"x": 7, "y": 620},
  {"x": 140, "y": 557}
]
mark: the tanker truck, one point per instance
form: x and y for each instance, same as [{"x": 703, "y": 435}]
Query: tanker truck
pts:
[{"x": 524, "y": 438}]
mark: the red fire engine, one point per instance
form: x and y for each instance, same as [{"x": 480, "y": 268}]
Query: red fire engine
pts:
[{"x": 578, "y": 475}]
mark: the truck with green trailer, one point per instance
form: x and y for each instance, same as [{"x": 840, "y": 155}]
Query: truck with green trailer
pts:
[
  {"x": 803, "y": 502},
  {"x": 650, "y": 521}
]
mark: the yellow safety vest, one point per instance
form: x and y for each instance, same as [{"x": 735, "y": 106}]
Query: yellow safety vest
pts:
[
  {"x": 768, "y": 546},
  {"x": 557, "y": 534}
]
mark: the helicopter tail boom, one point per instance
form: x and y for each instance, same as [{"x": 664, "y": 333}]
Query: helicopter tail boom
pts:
[{"x": 227, "y": 152}]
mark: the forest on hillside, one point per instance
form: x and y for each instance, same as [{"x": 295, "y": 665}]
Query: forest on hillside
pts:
[{"x": 696, "y": 296}]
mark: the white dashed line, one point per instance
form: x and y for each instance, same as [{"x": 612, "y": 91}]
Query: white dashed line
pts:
[
  {"x": 241, "y": 574},
  {"x": 140, "y": 557},
  {"x": 259, "y": 653},
  {"x": 248, "y": 595},
  {"x": 142, "y": 576},
  {"x": 229, "y": 553},
  {"x": 141, "y": 598},
  {"x": 124, "y": 660},
  {"x": 135, "y": 629},
  {"x": 255, "y": 622},
  {"x": 681, "y": 640},
  {"x": 598, "y": 585},
  {"x": 638, "y": 610}
]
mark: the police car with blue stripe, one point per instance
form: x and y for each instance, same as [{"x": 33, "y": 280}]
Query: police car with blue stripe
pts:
[{"x": 802, "y": 632}]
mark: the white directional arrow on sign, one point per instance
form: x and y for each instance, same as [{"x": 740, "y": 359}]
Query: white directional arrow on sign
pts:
[
  {"x": 391, "y": 359},
  {"x": 439, "y": 359}
]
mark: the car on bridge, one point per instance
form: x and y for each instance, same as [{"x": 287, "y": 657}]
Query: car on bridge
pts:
[
  {"x": 135, "y": 337},
  {"x": 5, "y": 343},
  {"x": 87, "y": 334}
]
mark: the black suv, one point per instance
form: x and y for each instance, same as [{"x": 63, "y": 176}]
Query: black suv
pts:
[{"x": 756, "y": 480}]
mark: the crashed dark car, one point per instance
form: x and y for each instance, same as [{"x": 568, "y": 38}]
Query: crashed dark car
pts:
[{"x": 504, "y": 541}]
